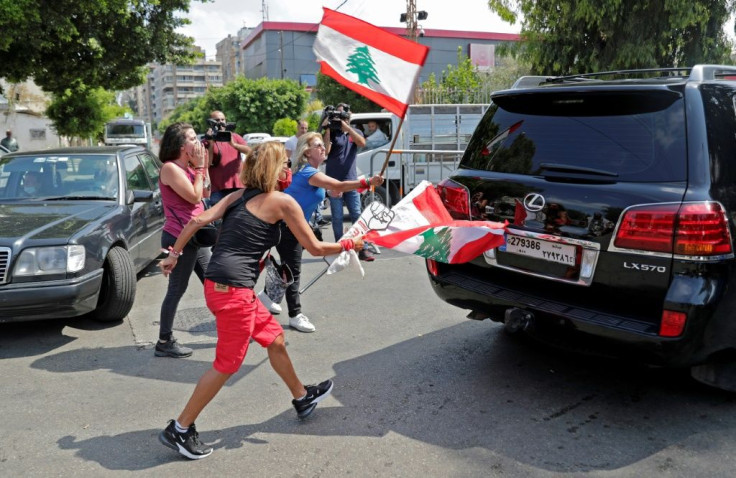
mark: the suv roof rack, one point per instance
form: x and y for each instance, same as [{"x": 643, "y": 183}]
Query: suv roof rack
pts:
[{"x": 695, "y": 73}]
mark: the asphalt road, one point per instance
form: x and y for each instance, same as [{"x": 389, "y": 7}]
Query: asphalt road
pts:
[{"x": 419, "y": 391}]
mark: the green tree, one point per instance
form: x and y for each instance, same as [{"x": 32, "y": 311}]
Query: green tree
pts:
[
  {"x": 82, "y": 112},
  {"x": 597, "y": 35},
  {"x": 62, "y": 43},
  {"x": 253, "y": 105},
  {"x": 457, "y": 84},
  {"x": 284, "y": 127},
  {"x": 331, "y": 92}
]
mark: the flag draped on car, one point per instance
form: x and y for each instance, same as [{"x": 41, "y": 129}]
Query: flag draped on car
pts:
[
  {"x": 419, "y": 224},
  {"x": 374, "y": 63}
]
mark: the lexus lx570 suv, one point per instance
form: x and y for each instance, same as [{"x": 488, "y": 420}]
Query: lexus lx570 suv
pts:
[{"x": 619, "y": 190}]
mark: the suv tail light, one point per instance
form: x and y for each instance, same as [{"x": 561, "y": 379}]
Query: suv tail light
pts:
[
  {"x": 455, "y": 197},
  {"x": 691, "y": 229}
]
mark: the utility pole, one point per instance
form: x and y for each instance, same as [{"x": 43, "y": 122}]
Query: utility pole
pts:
[
  {"x": 281, "y": 51},
  {"x": 411, "y": 19}
]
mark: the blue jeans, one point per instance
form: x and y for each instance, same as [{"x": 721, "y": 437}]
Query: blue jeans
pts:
[
  {"x": 351, "y": 199},
  {"x": 192, "y": 259}
]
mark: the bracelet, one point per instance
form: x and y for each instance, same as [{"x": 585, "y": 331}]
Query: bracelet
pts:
[
  {"x": 365, "y": 183},
  {"x": 172, "y": 252},
  {"x": 347, "y": 244},
  {"x": 199, "y": 168}
]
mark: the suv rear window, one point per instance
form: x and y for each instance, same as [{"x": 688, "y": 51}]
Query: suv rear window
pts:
[{"x": 634, "y": 137}]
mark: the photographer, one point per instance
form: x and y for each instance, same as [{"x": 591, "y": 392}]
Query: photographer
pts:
[
  {"x": 224, "y": 148},
  {"x": 342, "y": 142}
]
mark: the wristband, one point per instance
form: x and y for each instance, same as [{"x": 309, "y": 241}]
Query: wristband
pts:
[
  {"x": 365, "y": 183},
  {"x": 172, "y": 252},
  {"x": 347, "y": 244}
]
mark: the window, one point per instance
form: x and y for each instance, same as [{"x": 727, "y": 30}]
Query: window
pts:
[{"x": 134, "y": 174}]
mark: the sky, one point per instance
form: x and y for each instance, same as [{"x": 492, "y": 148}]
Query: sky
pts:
[{"x": 213, "y": 21}]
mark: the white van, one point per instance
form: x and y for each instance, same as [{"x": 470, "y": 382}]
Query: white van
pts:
[{"x": 127, "y": 131}]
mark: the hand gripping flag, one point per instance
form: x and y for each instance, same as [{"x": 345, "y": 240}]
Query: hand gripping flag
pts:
[
  {"x": 374, "y": 63},
  {"x": 419, "y": 224}
]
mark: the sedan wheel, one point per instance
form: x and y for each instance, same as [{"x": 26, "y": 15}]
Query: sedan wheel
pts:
[{"x": 117, "y": 292}]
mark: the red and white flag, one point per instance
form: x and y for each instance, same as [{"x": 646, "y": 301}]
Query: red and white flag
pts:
[
  {"x": 419, "y": 224},
  {"x": 377, "y": 64}
]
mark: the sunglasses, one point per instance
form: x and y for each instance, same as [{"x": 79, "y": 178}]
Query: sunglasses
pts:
[
  {"x": 317, "y": 145},
  {"x": 287, "y": 163}
]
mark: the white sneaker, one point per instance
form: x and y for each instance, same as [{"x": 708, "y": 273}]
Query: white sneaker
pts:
[
  {"x": 301, "y": 323},
  {"x": 272, "y": 307}
]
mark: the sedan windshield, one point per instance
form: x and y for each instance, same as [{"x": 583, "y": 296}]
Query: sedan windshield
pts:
[{"x": 93, "y": 176}]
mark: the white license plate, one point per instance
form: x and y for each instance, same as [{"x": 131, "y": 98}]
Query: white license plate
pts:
[{"x": 545, "y": 250}]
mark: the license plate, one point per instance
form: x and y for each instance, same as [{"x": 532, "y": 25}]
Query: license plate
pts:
[{"x": 538, "y": 249}]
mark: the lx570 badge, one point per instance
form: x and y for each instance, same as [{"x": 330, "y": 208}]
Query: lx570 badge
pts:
[{"x": 645, "y": 267}]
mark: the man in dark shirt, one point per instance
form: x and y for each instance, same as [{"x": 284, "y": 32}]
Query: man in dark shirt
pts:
[{"x": 342, "y": 142}]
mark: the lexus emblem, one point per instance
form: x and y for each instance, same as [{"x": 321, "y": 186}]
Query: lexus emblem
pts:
[{"x": 533, "y": 202}]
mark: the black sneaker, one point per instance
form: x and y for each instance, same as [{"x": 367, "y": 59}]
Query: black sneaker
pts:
[
  {"x": 315, "y": 393},
  {"x": 187, "y": 444},
  {"x": 324, "y": 222},
  {"x": 171, "y": 349}
]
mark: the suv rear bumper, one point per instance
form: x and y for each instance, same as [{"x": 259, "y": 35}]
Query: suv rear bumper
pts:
[
  {"x": 50, "y": 299},
  {"x": 604, "y": 334}
]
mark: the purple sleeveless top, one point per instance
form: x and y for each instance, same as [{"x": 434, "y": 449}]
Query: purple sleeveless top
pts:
[{"x": 177, "y": 210}]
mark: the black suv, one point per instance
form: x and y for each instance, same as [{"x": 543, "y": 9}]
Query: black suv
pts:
[{"x": 619, "y": 190}]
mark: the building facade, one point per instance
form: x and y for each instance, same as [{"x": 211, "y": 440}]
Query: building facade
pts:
[
  {"x": 284, "y": 50},
  {"x": 168, "y": 86}
]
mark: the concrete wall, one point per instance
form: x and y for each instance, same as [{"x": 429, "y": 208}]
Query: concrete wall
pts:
[{"x": 31, "y": 130}]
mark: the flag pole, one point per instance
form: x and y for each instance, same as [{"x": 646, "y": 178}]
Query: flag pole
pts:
[
  {"x": 391, "y": 148},
  {"x": 315, "y": 279}
]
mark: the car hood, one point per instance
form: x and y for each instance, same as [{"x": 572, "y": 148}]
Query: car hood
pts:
[{"x": 44, "y": 220}]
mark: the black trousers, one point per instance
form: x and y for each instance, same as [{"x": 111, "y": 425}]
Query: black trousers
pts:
[{"x": 290, "y": 253}]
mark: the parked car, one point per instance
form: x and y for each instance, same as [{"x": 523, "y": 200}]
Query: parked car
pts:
[
  {"x": 280, "y": 139},
  {"x": 253, "y": 139},
  {"x": 77, "y": 225},
  {"x": 620, "y": 194}
]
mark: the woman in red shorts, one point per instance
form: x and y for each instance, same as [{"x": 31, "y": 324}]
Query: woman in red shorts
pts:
[{"x": 251, "y": 225}]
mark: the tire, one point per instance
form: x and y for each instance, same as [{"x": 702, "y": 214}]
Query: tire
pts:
[
  {"x": 380, "y": 196},
  {"x": 117, "y": 291}
]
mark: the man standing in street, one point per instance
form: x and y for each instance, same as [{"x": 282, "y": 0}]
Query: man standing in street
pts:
[
  {"x": 10, "y": 143},
  {"x": 342, "y": 142},
  {"x": 224, "y": 159},
  {"x": 301, "y": 127}
]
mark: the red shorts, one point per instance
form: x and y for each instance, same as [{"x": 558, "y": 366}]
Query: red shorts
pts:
[{"x": 239, "y": 316}]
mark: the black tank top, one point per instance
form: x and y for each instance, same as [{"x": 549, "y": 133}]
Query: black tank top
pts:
[{"x": 240, "y": 246}]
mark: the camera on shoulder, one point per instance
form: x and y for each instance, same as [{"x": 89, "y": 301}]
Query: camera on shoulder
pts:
[
  {"x": 335, "y": 116},
  {"x": 222, "y": 130}
]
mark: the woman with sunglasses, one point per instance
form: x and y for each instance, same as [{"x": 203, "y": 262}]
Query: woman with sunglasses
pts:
[
  {"x": 251, "y": 225},
  {"x": 308, "y": 187}
]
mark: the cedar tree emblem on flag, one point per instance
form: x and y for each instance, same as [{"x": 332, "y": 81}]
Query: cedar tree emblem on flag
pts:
[
  {"x": 374, "y": 63},
  {"x": 362, "y": 65}
]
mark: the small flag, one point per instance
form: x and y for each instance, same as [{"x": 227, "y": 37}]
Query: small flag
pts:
[{"x": 374, "y": 63}]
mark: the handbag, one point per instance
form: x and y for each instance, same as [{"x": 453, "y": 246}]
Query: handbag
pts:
[
  {"x": 278, "y": 278},
  {"x": 206, "y": 236}
]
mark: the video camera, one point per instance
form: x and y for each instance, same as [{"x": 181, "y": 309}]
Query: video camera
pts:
[
  {"x": 336, "y": 117},
  {"x": 223, "y": 131}
]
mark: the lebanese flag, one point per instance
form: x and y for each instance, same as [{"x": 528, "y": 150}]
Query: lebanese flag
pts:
[
  {"x": 419, "y": 224},
  {"x": 374, "y": 63}
]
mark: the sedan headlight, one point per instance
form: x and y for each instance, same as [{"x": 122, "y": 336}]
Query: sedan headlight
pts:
[{"x": 49, "y": 260}]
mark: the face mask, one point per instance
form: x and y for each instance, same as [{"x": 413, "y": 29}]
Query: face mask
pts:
[{"x": 284, "y": 183}]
